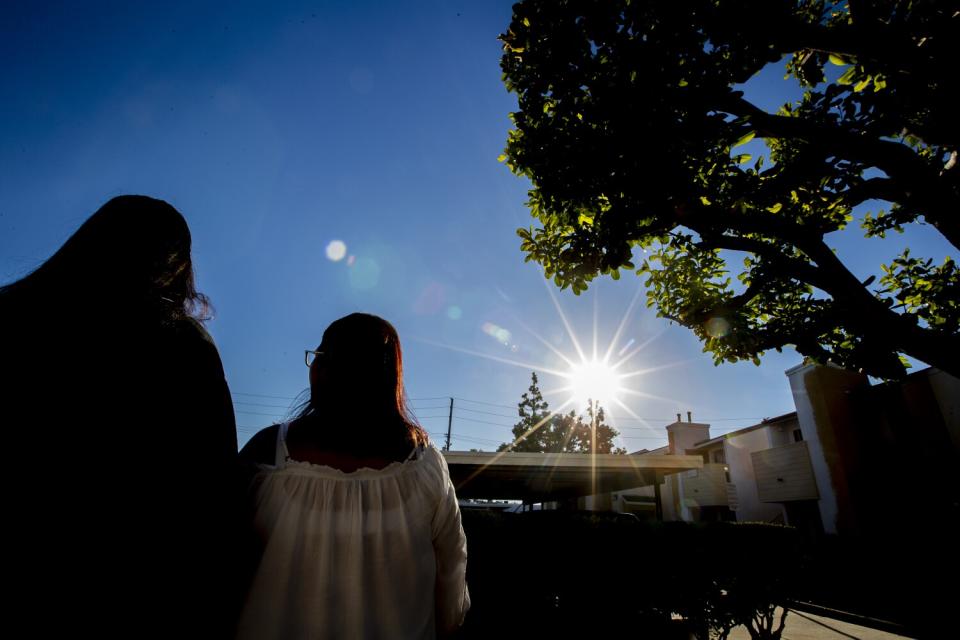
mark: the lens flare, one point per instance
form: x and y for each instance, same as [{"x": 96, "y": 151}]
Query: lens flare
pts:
[
  {"x": 365, "y": 274},
  {"x": 431, "y": 300},
  {"x": 500, "y": 334},
  {"x": 336, "y": 250},
  {"x": 717, "y": 327}
]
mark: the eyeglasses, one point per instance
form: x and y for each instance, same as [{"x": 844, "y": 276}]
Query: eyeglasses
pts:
[{"x": 310, "y": 355}]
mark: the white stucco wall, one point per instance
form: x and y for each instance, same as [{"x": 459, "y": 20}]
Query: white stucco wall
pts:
[{"x": 738, "y": 449}]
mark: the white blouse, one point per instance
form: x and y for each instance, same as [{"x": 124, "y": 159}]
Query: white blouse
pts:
[{"x": 367, "y": 554}]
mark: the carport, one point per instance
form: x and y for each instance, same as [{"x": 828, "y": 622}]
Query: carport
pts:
[{"x": 545, "y": 477}]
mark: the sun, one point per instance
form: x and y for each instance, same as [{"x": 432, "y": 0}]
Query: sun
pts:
[
  {"x": 593, "y": 380},
  {"x": 602, "y": 377}
]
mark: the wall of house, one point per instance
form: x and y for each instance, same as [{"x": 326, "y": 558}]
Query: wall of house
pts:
[
  {"x": 784, "y": 473},
  {"x": 737, "y": 450},
  {"x": 946, "y": 390},
  {"x": 685, "y": 435},
  {"x": 781, "y": 433},
  {"x": 822, "y": 397},
  {"x": 682, "y": 436}
]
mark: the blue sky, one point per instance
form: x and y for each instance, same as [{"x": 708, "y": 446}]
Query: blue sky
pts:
[{"x": 277, "y": 128}]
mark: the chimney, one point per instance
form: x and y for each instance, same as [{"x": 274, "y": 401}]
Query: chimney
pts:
[
  {"x": 689, "y": 416},
  {"x": 678, "y": 418}
]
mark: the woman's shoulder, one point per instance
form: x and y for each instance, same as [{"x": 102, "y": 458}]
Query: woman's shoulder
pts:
[
  {"x": 262, "y": 447},
  {"x": 434, "y": 460}
]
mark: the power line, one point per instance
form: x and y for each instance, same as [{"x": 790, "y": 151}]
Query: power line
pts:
[
  {"x": 489, "y": 413},
  {"x": 257, "y": 404},
  {"x": 462, "y": 417},
  {"x": 487, "y": 403},
  {"x": 505, "y": 426},
  {"x": 616, "y": 418},
  {"x": 260, "y": 395},
  {"x": 467, "y": 438}
]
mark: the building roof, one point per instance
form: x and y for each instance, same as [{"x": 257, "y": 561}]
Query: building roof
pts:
[
  {"x": 537, "y": 477},
  {"x": 766, "y": 422}
]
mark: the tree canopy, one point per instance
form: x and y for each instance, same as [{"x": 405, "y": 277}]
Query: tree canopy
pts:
[
  {"x": 631, "y": 125},
  {"x": 541, "y": 430}
]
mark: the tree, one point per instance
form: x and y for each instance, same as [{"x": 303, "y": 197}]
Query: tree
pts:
[
  {"x": 541, "y": 430},
  {"x": 629, "y": 128}
]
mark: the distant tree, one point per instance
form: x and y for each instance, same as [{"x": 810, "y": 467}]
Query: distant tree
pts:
[
  {"x": 540, "y": 430},
  {"x": 629, "y": 127}
]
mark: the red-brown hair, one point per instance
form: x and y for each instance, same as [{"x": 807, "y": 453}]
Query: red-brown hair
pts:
[{"x": 363, "y": 397}]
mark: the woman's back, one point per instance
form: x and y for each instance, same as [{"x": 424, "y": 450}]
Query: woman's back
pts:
[
  {"x": 120, "y": 529},
  {"x": 373, "y": 553}
]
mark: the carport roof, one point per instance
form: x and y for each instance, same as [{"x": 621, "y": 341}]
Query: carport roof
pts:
[{"x": 538, "y": 477}]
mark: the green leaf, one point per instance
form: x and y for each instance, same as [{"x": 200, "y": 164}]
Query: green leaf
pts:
[
  {"x": 775, "y": 208},
  {"x": 747, "y": 137},
  {"x": 848, "y": 76},
  {"x": 705, "y": 201},
  {"x": 840, "y": 61},
  {"x": 501, "y": 157},
  {"x": 879, "y": 82},
  {"x": 526, "y": 22},
  {"x": 860, "y": 86},
  {"x": 683, "y": 83},
  {"x": 742, "y": 158}
]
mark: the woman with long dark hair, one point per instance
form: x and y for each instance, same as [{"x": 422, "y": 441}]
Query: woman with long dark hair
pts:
[
  {"x": 120, "y": 436},
  {"x": 357, "y": 520}
]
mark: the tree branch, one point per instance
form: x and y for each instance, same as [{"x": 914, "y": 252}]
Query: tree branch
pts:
[
  {"x": 898, "y": 161},
  {"x": 873, "y": 189},
  {"x": 876, "y": 321},
  {"x": 797, "y": 269},
  {"x": 893, "y": 158},
  {"x": 858, "y": 308}
]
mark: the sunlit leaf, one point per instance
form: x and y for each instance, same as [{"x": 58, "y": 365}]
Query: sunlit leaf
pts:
[
  {"x": 848, "y": 76},
  {"x": 744, "y": 139}
]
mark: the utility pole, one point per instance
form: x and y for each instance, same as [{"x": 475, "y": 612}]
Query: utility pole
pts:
[{"x": 449, "y": 425}]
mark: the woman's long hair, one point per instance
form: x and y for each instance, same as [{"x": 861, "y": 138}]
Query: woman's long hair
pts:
[
  {"x": 131, "y": 256},
  {"x": 360, "y": 402}
]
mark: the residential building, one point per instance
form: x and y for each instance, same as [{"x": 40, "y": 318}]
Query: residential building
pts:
[{"x": 847, "y": 459}]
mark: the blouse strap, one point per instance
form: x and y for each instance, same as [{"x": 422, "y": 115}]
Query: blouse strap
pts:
[
  {"x": 415, "y": 453},
  {"x": 283, "y": 454}
]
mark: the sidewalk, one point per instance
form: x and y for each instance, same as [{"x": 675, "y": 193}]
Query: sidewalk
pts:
[{"x": 806, "y": 626}]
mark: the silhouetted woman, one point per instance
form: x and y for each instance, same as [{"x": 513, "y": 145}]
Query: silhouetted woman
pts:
[
  {"x": 355, "y": 512},
  {"x": 120, "y": 437}
]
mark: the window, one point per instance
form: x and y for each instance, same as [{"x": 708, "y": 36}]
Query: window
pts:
[
  {"x": 797, "y": 435},
  {"x": 719, "y": 457}
]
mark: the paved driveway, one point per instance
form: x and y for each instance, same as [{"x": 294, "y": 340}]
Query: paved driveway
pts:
[{"x": 806, "y": 626}]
